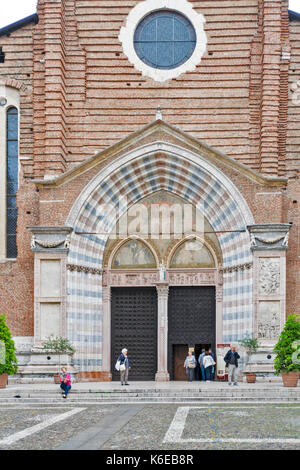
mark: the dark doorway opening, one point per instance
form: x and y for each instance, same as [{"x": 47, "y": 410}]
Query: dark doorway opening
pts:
[
  {"x": 191, "y": 324},
  {"x": 134, "y": 326}
]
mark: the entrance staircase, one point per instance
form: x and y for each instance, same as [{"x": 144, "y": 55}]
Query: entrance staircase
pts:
[{"x": 173, "y": 392}]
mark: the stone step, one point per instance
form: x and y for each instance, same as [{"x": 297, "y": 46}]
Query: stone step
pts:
[
  {"x": 284, "y": 394},
  {"x": 209, "y": 391},
  {"x": 117, "y": 400}
]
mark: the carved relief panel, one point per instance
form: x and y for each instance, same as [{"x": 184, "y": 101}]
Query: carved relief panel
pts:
[{"x": 269, "y": 276}]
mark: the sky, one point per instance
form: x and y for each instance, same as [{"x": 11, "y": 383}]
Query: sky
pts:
[{"x": 14, "y": 10}]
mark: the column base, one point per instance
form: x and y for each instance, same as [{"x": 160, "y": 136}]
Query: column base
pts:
[{"x": 162, "y": 376}]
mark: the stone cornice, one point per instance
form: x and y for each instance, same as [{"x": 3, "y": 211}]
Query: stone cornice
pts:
[
  {"x": 212, "y": 154},
  {"x": 269, "y": 236}
]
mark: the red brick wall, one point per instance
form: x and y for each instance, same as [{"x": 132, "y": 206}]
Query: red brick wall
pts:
[{"x": 79, "y": 93}]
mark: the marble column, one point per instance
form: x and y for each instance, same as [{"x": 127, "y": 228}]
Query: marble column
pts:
[
  {"x": 106, "y": 333},
  {"x": 162, "y": 374}
]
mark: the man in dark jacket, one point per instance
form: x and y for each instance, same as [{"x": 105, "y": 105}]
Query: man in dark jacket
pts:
[{"x": 231, "y": 360}]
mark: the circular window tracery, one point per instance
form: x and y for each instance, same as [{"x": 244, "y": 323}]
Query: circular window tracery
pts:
[
  {"x": 165, "y": 39},
  {"x": 182, "y": 51}
]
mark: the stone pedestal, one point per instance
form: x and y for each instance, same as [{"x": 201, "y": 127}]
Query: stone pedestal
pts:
[
  {"x": 37, "y": 366},
  {"x": 162, "y": 374},
  {"x": 261, "y": 363}
]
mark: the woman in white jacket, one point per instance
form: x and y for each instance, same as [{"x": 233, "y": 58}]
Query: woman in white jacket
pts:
[{"x": 208, "y": 364}]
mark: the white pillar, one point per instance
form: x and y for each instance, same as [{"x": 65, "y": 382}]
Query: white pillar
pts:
[
  {"x": 106, "y": 333},
  {"x": 162, "y": 374}
]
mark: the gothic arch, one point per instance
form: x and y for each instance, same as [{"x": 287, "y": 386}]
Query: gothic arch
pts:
[{"x": 142, "y": 171}]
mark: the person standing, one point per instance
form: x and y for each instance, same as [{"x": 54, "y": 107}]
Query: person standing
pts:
[
  {"x": 200, "y": 360},
  {"x": 190, "y": 364},
  {"x": 65, "y": 382},
  {"x": 124, "y": 367},
  {"x": 208, "y": 364},
  {"x": 212, "y": 354},
  {"x": 231, "y": 359}
]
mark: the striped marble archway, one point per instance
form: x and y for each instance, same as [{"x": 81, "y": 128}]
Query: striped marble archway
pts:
[{"x": 154, "y": 167}]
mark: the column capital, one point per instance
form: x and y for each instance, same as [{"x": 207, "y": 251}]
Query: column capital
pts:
[
  {"x": 269, "y": 236},
  {"x": 106, "y": 293},
  {"x": 51, "y": 239},
  {"x": 162, "y": 289}
]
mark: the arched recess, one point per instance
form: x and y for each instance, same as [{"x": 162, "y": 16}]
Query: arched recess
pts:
[
  {"x": 147, "y": 260},
  {"x": 142, "y": 171},
  {"x": 212, "y": 262}
]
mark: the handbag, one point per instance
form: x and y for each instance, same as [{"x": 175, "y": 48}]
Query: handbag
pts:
[
  {"x": 117, "y": 365},
  {"x": 122, "y": 367},
  {"x": 191, "y": 365}
]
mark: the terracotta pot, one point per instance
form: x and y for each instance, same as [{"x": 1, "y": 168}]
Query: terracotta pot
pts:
[
  {"x": 3, "y": 380},
  {"x": 56, "y": 378},
  {"x": 250, "y": 378},
  {"x": 290, "y": 379}
]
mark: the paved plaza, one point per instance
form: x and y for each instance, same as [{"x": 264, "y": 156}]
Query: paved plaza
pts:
[{"x": 44, "y": 420}]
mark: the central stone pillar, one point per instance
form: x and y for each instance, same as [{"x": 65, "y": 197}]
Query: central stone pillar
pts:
[{"x": 162, "y": 374}]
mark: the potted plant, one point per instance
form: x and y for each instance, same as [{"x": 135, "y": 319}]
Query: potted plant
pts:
[
  {"x": 251, "y": 344},
  {"x": 8, "y": 360},
  {"x": 286, "y": 361},
  {"x": 58, "y": 345}
]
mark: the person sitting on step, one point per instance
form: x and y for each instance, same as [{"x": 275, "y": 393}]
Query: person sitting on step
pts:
[{"x": 65, "y": 382}]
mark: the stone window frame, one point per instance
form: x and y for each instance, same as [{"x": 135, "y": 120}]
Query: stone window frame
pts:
[
  {"x": 139, "y": 12},
  {"x": 39, "y": 298},
  {"x": 12, "y": 97}
]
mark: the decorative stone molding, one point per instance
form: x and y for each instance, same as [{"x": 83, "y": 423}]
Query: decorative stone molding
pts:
[
  {"x": 50, "y": 239},
  {"x": 209, "y": 277},
  {"x": 141, "y": 10},
  {"x": 193, "y": 278},
  {"x": 83, "y": 269},
  {"x": 269, "y": 236},
  {"x": 238, "y": 267}
]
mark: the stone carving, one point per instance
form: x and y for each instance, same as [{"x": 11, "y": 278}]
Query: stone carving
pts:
[
  {"x": 132, "y": 279},
  {"x": 269, "y": 236},
  {"x": 269, "y": 275},
  {"x": 270, "y": 240},
  {"x": 269, "y": 320},
  {"x": 83, "y": 269},
  {"x": 238, "y": 267},
  {"x": 190, "y": 279},
  {"x": 162, "y": 272},
  {"x": 47, "y": 243},
  {"x": 51, "y": 239},
  {"x": 286, "y": 240},
  {"x": 67, "y": 242},
  {"x": 152, "y": 278}
]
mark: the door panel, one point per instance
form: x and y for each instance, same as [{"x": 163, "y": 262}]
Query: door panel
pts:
[
  {"x": 180, "y": 351},
  {"x": 134, "y": 326}
]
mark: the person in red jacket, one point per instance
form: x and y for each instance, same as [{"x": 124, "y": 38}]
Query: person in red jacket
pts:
[{"x": 65, "y": 382}]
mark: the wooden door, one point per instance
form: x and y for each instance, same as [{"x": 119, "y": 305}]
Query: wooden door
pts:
[
  {"x": 134, "y": 326},
  {"x": 180, "y": 351}
]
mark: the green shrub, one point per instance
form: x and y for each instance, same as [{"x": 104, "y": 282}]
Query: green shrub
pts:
[
  {"x": 58, "y": 344},
  {"x": 8, "y": 362},
  {"x": 250, "y": 343},
  {"x": 287, "y": 345}
]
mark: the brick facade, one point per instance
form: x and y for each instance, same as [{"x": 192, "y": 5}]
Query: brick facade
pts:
[{"x": 80, "y": 96}]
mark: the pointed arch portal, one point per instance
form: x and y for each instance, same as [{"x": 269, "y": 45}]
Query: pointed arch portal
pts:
[{"x": 158, "y": 166}]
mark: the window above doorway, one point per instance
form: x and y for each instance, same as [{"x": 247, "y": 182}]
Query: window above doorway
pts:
[
  {"x": 162, "y": 42},
  {"x": 165, "y": 39}
]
